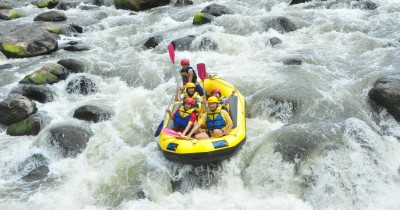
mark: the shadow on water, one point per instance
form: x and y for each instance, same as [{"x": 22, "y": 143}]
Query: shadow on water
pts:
[{"x": 189, "y": 177}]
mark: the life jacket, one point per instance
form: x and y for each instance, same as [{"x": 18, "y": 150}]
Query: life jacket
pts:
[
  {"x": 215, "y": 119},
  {"x": 194, "y": 96},
  {"x": 185, "y": 75},
  {"x": 182, "y": 118}
]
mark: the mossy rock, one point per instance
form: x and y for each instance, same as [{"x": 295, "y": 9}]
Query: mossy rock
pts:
[
  {"x": 14, "y": 49},
  {"x": 47, "y": 3},
  {"x": 30, "y": 126},
  {"x": 202, "y": 18},
  {"x": 40, "y": 77}
]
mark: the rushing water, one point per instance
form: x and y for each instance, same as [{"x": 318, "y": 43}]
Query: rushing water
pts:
[{"x": 351, "y": 153}]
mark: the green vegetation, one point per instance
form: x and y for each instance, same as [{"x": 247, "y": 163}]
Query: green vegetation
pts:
[{"x": 13, "y": 49}]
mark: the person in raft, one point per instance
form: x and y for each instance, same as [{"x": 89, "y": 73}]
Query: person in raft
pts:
[
  {"x": 222, "y": 100},
  {"x": 217, "y": 121},
  {"x": 190, "y": 92},
  {"x": 188, "y": 74},
  {"x": 184, "y": 117}
]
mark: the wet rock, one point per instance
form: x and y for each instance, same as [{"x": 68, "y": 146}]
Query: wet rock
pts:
[
  {"x": 292, "y": 2},
  {"x": 37, "y": 174},
  {"x": 91, "y": 113},
  {"x": 272, "y": 107},
  {"x": 76, "y": 48},
  {"x": 9, "y": 14},
  {"x": 73, "y": 65},
  {"x": 39, "y": 77},
  {"x": 281, "y": 24},
  {"x": 293, "y": 61},
  {"x": 6, "y": 66},
  {"x": 274, "y": 41},
  {"x": 51, "y": 16},
  {"x": 364, "y": 5},
  {"x": 153, "y": 42},
  {"x": 58, "y": 29},
  {"x": 139, "y": 5},
  {"x": 217, "y": 10},
  {"x": 28, "y": 40},
  {"x": 28, "y": 127},
  {"x": 77, "y": 28},
  {"x": 47, "y": 3},
  {"x": 206, "y": 44},
  {"x": 16, "y": 108},
  {"x": 66, "y": 5},
  {"x": 40, "y": 93},
  {"x": 69, "y": 140},
  {"x": 202, "y": 18},
  {"x": 183, "y": 43},
  {"x": 56, "y": 69},
  {"x": 88, "y": 7},
  {"x": 34, "y": 168},
  {"x": 386, "y": 92},
  {"x": 81, "y": 85},
  {"x": 5, "y": 5},
  {"x": 103, "y": 2},
  {"x": 181, "y": 3}
]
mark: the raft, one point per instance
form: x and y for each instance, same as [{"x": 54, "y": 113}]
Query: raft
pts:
[{"x": 195, "y": 151}]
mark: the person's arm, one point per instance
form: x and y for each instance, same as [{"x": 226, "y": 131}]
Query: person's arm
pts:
[
  {"x": 171, "y": 116},
  {"x": 227, "y": 100},
  {"x": 228, "y": 120},
  {"x": 191, "y": 72},
  {"x": 197, "y": 125},
  {"x": 177, "y": 94}
]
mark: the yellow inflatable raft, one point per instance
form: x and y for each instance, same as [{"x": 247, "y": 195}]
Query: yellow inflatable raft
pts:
[{"x": 212, "y": 149}]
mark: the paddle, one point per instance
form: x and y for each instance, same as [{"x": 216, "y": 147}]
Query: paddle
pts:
[
  {"x": 171, "y": 52},
  {"x": 173, "y": 133},
  {"x": 201, "y": 70}
]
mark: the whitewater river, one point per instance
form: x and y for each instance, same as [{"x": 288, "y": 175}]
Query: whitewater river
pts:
[{"x": 314, "y": 141}]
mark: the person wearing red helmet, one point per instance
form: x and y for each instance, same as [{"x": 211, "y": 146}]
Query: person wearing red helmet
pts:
[
  {"x": 188, "y": 74},
  {"x": 222, "y": 100},
  {"x": 184, "y": 117}
]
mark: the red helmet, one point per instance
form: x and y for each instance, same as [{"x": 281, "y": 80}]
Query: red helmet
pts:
[
  {"x": 185, "y": 61},
  {"x": 190, "y": 101},
  {"x": 216, "y": 90}
]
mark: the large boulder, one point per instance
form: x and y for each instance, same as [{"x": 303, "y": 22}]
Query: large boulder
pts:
[
  {"x": 16, "y": 108},
  {"x": 73, "y": 65},
  {"x": 47, "y": 3},
  {"x": 281, "y": 24},
  {"x": 140, "y": 5},
  {"x": 28, "y": 40},
  {"x": 202, "y": 18},
  {"x": 56, "y": 69},
  {"x": 30, "y": 126},
  {"x": 81, "y": 85},
  {"x": 153, "y": 42},
  {"x": 386, "y": 92},
  {"x": 39, "y": 77},
  {"x": 8, "y": 14},
  {"x": 183, "y": 43},
  {"x": 217, "y": 10},
  {"x": 51, "y": 16},
  {"x": 69, "y": 140},
  {"x": 40, "y": 93},
  {"x": 91, "y": 113}
]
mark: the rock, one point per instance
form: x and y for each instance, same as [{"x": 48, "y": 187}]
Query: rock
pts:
[
  {"x": 28, "y": 40},
  {"x": 139, "y": 5},
  {"x": 73, "y": 65},
  {"x": 40, "y": 93},
  {"x": 87, "y": 7},
  {"x": 34, "y": 168},
  {"x": 56, "y": 69},
  {"x": 5, "y": 5},
  {"x": 206, "y": 44},
  {"x": 91, "y": 113},
  {"x": 39, "y": 77},
  {"x": 47, "y": 3},
  {"x": 281, "y": 24},
  {"x": 202, "y": 18},
  {"x": 9, "y": 14},
  {"x": 183, "y": 43},
  {"x": 81, "y": 85},
  {"x": 274, "y": 41},
  {"x": 153, "y": 42},
  {"x": 77, "y": 28},
  {"x": 16, "y": 108},
  {"x": 76, "y": 48},
  {"x": 216, "y": 10},
  {"x": 37, "y": 174},
  {"x": 51, "y": 16},
  {"x": 30, "y": 126},
  {"x": 292, "y": 2},
  {"x": 364, "y": 5},
  {"x": 67, "y": 5},
  {"x": 293, "y": 61},
  {"x": 386, "y": 92},
  {"x": 69, "y": 140},
  {"x": 181, "y": 3}
]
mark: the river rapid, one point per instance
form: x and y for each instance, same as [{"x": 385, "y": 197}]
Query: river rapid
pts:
[{"x": 314, "y": 141}]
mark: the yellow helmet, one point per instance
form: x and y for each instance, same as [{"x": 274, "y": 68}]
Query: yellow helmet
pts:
[
  {"x": 190, "y": 85},
  {"x": 212, "y": 99}
]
